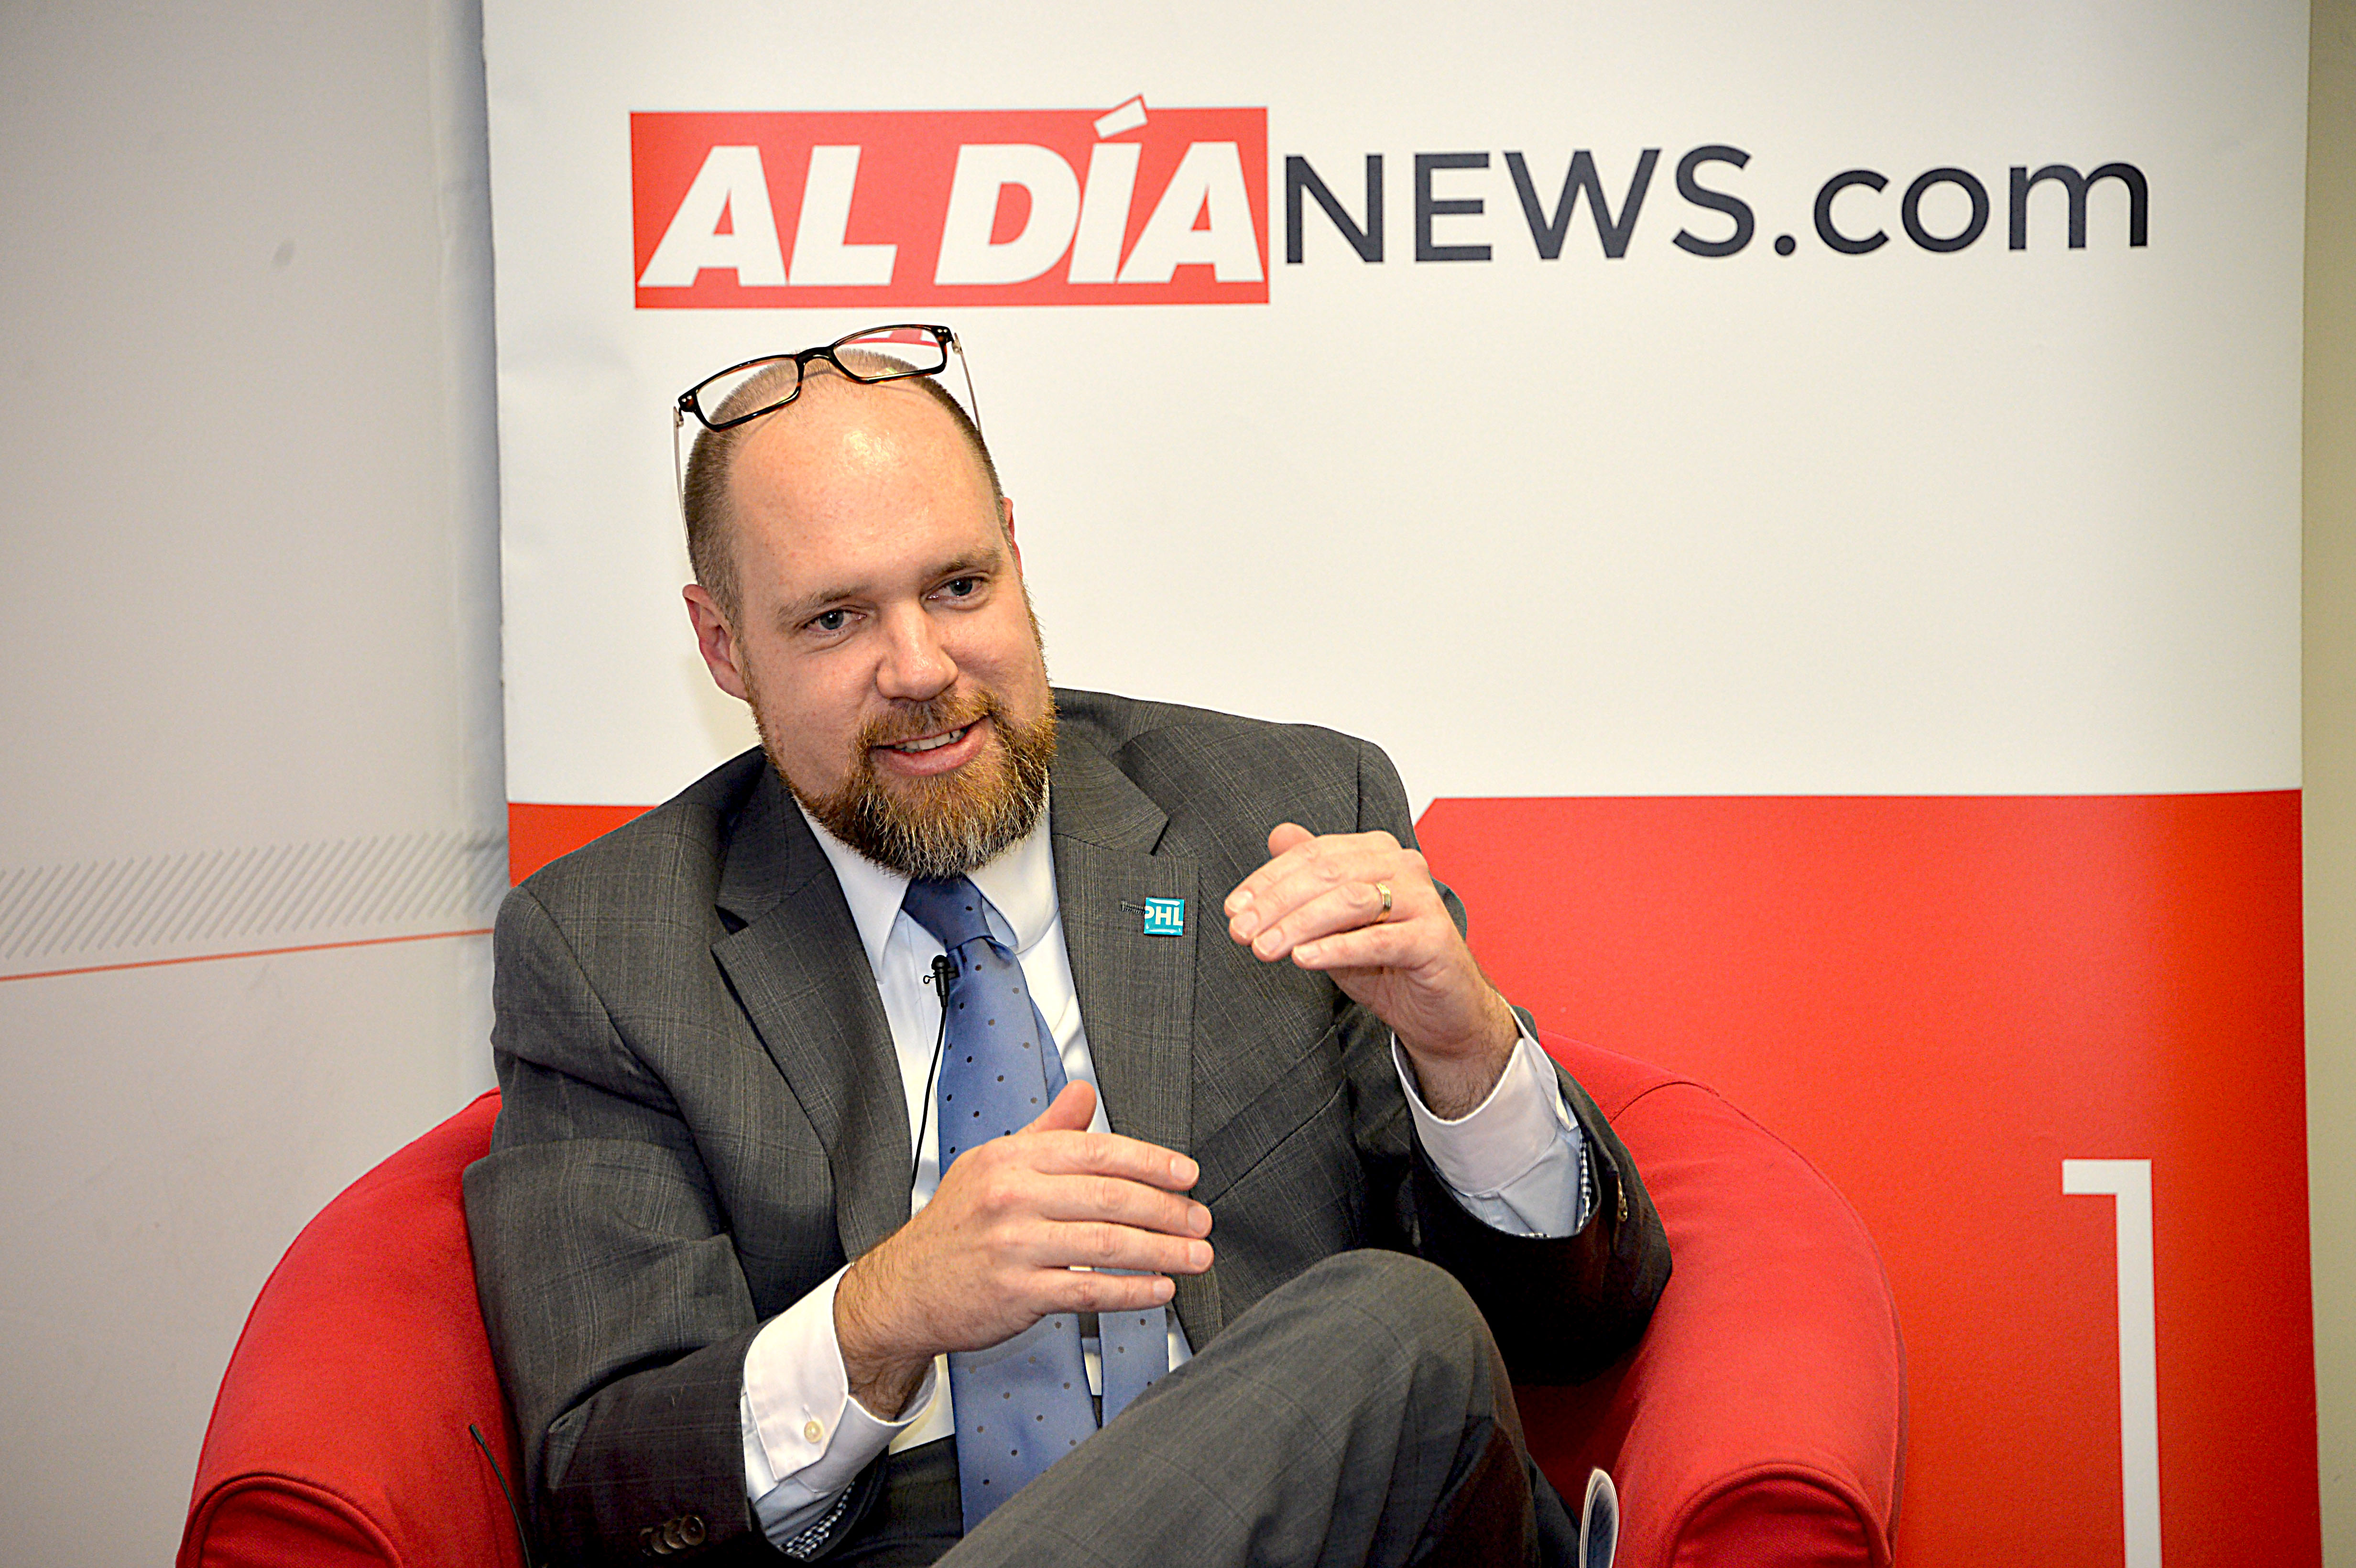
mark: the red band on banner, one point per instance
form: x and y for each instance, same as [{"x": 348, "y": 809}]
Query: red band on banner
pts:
[
  {"x": 537, "y": 833},
  {"x": 1939, "y": 1001},
  {"x": 949, "y": 207}
]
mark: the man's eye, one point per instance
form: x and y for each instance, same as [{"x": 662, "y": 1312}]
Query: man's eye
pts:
[
  {"x": 961, "y": 587},
  {"x": 829, "y": 620}
]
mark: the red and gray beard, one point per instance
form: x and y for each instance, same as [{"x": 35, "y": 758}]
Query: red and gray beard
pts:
[{"x": 944, "y": 826}]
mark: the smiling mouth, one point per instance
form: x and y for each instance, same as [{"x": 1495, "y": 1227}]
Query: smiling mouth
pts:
[{"x": 929, "y": 743}]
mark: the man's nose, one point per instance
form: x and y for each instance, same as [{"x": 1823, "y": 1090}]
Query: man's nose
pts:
[{"x": 915, "y": 666}]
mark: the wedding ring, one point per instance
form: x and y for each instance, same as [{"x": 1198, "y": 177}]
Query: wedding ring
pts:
[{"x": 1385, "y": 912}]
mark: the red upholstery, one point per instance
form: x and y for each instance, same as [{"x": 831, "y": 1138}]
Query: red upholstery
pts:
[
  {"x": 1761, "y": 1422},
  {"x": 339, "y": 1436}
]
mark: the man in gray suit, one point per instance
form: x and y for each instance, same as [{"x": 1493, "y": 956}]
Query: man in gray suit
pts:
[{"x": 729, "y": 1280}]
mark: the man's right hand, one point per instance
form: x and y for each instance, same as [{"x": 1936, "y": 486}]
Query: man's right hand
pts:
[{"x": 1021, "y": 1227}]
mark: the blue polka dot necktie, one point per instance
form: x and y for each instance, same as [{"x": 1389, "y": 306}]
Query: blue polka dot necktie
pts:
[{"x": 1022, "y": 1404}]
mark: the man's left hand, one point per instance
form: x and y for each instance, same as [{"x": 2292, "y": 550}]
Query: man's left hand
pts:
[{"x": 1319, "y": 901}]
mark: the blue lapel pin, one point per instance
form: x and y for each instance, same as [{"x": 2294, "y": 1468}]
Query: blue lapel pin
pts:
[{"x": 1166, "y": 917}]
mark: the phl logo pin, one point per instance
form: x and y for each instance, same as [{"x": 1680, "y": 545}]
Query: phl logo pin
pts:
[{"x": 1166, "y": 917}]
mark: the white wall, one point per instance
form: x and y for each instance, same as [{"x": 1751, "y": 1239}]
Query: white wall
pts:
[
  {"x": 248, "y": 605},
  {"x": 2329, "y": 807},
  {"x": 249, "y": 622}
]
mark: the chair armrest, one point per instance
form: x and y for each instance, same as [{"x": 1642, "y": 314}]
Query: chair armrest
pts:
[
  {"x": 1762, "y": 1418},
  {"x": 340, "y": 1434}
]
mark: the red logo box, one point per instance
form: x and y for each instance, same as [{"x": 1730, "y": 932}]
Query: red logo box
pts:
[{"x": 949, "y": 207}]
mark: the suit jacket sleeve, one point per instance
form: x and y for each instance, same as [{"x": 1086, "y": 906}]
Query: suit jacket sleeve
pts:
[
  {"x": 609, "y": 1283},
  {"x": 1562, "y": 1308}
]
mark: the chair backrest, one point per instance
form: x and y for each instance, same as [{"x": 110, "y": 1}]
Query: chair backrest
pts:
[
  {"x": 1762, "y": 1418},
  {"x": 339, "y": 1435}
]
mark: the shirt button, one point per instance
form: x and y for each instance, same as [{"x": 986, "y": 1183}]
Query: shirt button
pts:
[{"x": 812, "y": 1432}]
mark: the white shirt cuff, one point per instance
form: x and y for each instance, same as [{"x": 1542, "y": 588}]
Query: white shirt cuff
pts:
[
  {"x": 806, "y": 1439},
  {"x": 1516, "y": 1159}
]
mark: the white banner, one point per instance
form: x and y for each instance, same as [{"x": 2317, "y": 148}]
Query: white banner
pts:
[{"x": 1819, "y": 456}]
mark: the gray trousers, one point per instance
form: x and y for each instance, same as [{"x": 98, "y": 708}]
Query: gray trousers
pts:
[{"x": 1358, "y": 1415}]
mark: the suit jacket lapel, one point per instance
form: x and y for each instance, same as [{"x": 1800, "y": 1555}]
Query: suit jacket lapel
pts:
[
  {"x": 801, "y": 975},
  {"x": 800, "y": 972},
  {"x": 1136, "y": 991}
]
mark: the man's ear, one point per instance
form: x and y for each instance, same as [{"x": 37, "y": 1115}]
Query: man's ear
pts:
[
  {"x": 716, "y": 641},
  {"x": 1006, "y": 519}
]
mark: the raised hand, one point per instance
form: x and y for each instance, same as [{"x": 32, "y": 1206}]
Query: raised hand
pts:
[{"x": 1362, "y": 909}]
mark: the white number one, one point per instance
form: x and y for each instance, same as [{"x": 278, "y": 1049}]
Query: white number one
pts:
[{"x": 2129, "y": 1182}]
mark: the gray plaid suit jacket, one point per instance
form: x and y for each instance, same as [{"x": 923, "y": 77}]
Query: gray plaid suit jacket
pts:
[{"x": 702, "y": 1117}]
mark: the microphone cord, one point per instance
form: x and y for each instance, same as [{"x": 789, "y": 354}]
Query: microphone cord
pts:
[{"x": 943, "y": 973}]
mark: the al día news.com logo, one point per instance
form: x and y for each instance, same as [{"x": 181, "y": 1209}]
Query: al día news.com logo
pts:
[
  {"x": 988, "y": 206},
  {"x": 1074, "y": 206}
]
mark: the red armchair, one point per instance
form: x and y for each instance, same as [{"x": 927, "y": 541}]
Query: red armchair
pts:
[{"x": 1761, "y": 1421}]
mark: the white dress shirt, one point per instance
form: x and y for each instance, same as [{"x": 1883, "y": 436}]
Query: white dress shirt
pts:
[{"x": 1516, "y": 1160}]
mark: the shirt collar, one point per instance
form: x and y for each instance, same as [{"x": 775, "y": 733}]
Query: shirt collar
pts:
[{"x": 1020, "y": 885}]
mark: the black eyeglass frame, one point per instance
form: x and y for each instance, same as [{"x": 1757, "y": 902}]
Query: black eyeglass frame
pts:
[
  {"x": 687, "y": 403},
  {"x": 691, "y": 403}
]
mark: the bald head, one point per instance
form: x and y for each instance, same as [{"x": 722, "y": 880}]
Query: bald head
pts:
[{"x": 710, "y": 491}]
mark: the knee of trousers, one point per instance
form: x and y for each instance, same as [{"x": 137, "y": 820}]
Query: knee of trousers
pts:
[{"x": 1385, "y": 1306}]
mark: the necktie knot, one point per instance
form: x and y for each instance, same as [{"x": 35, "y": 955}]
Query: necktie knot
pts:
[{"x": 951, "y": 910}]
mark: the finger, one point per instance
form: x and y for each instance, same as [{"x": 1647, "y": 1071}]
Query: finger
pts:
[
  {"x": 1070, "y": 1111},
  {"x": 1310, "y": 867},
  {"x": 1123, "y": 1202},
  {"x": 1371, "y": 884},
  {"x": 1088, "y": 1290},
  {"x": 1097, "y": 1244},
  {"x": 1282, "y": 837},
  {"x": 1346, "y": 906},
  {"x": 1109, "y": 1154},
  {"x": 1389, "y": 945}
]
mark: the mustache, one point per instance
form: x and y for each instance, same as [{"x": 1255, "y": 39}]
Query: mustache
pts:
[{"x": 930, "y": 718}]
